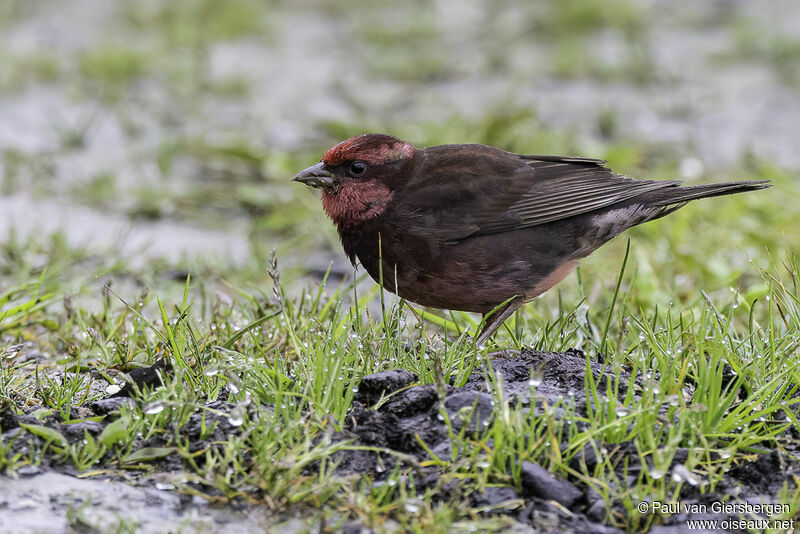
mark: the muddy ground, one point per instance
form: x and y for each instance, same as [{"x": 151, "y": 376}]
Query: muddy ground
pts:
[{"x": 54, "y": 498}]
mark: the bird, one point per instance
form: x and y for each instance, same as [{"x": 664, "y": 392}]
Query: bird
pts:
[{"x": 476, "y": 228}]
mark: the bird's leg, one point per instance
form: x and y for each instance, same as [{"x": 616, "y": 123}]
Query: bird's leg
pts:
[{"x": 493, "y": 320}]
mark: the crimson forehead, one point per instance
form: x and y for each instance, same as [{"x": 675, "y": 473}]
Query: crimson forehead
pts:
[{"x": 373, "y": 149}]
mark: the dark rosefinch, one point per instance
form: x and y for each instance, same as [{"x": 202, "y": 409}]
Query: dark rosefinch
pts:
[{"x": 468, "y": 227}]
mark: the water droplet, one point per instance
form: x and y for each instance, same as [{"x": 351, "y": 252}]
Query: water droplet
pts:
[
  {"x": 391, "y": 482},
  {"x": 725, "y": 453},
  {"x": 656, "y": 474},
  {"x": 211, "y": 370},
  {"x": 412, "y": 506},
  {"x": 535, "y": 381},
  {"x": 654, "y": 386},
  {"x": 622, "y": 411},
  {"x": 680, "y": 473},
  {"x": 641, "y": 336},
  {"x": 483, "y": 465},
  {"x": 236, "y": 416},
  {"x": 154, "y": 408}
]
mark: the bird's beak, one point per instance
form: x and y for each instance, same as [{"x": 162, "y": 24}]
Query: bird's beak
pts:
[{"x": 315, "y": 176}]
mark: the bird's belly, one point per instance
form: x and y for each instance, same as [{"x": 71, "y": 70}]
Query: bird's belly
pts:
[{"x": 475, "y": 275}]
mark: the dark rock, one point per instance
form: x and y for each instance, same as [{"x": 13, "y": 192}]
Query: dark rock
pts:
[
  {"x": 493, "y": 496},
  {"x": 378, "y": 429},
  {"x": 586, "y": 456},
  {"x": 29, "y": 471},
  {"x": 580, "y": 353},
  {"x": 539, "y": 482},
  {"x": 356, "y": 527},
  {"x": 760, "y": 476},
  {"x": 210, "y": 424},
  {"x": 681, "y": 455},
  {"x": 50, "y": 420},
  {"x": 77, "y": 430},
  {"x": 561, "y": 374},
  {"x": 78, "y": 412},
  {"x": 141, "y": 378},
  {"x": 469, "y": 409},
  {"x": 412, "y": 401},
  {"x": 444, "y": 449},
  {"x": 544, "y": 516},
  {"x": 597, "y": 510},
  {"x": 107, "y": 406},
  {"x": 378, "y": 385},
  {"x": 7, "y": 420}
]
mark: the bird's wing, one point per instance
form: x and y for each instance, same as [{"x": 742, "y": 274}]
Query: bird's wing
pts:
[
  {"x": 462, "y": 191},
  {"x": 565, "y": 187}
]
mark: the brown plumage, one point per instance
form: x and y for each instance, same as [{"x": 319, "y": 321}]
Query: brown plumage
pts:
[{"x": 468, "y": 227}]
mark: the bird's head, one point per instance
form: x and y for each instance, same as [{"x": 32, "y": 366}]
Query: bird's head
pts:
[{"x": 359, "y": 176}]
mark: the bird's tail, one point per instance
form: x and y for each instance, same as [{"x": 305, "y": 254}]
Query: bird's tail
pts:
[
  {"x": 664, "y": 201},
  {"x": 681, "y": 195}
]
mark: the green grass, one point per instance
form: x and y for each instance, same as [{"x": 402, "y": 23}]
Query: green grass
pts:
[
  {"x": 114, "y": 66},
  {"x": 194, "y": 22}
]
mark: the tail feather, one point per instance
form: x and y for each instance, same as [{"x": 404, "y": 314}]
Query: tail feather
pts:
[
  {"x": 653, "y": 205},
  {"x": 680, "y": 195}
]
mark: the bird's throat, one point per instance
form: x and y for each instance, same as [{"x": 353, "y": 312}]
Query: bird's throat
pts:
[{"x": 356, "y": 202}]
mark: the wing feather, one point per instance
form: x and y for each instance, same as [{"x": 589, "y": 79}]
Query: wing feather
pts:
[{"x": 464, "y": 190}]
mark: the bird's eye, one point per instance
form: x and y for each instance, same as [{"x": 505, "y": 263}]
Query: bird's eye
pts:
[{"x": 357, "y": 168}]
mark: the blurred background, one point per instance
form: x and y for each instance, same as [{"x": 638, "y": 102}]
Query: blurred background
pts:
[{"x": 159, "y": 137}]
